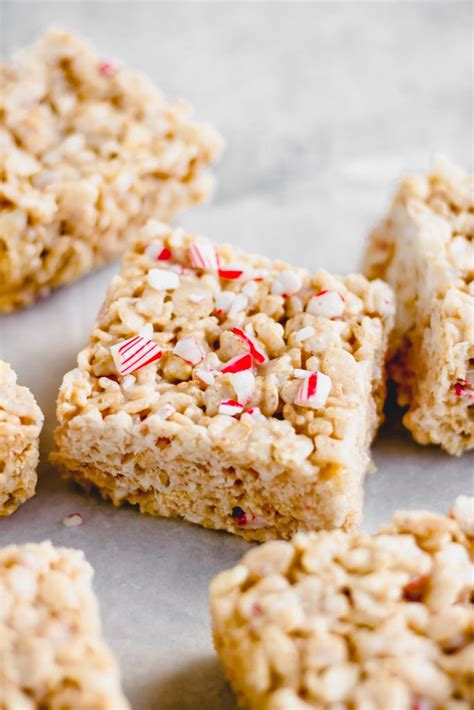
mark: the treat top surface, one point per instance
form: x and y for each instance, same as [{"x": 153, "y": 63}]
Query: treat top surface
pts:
[
  {"x": 196, "y": 334},
  {"x": 368, "y": 621}
]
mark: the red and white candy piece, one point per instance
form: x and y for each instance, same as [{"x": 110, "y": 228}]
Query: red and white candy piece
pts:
[
  {"x": 239, "y": 363},
  {"x": 203, "y": 255},
  {"x": 231, "y": 272},
  {"x": 162, "y": 279},
  {"x": 314, "y": 391},
  {"x": 107, "y": 68},
  {"x": 190, "y": 349},
  {"x": 255, "y": 412},
  {"x": 133, "y": 354},
  {"x": 224, "y": 301},
  {"x": 230, "y": 407},
  {"x": 243, "y": 384},
  {"x": 157, "y": 252},
  {"x": 287, "y": 283},
  {"x": 465, "y": 388},
  {"x": 256, "y": 349},
  {"x": 329, "y": 304}
]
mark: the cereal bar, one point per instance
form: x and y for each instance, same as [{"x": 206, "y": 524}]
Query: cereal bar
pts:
[
  {"x": 424, "y": 249},
  {"x": 234, "y": 391},
  {"x": 52, "y": 654},
  {"x": 335, "y": 620},
  {"x": 21, "y": 421},
  {"x": 90, "y": 150}
]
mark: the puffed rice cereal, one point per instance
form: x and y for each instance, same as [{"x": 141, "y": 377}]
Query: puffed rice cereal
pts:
[
  {"x": 231, "y": 419},
  {"x": 52, "y": 654},
  {"x": 340, "y": 621},
  {"x": 90, "y": 150},
  {"x": 424, "y": 249},
  {"x": 21, "y": 421}
]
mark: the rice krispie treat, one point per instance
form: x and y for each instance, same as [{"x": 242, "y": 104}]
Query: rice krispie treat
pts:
[
  {"x": 52, "y": 654},
  {"x": 236, "y": 392},
  {"x": 343, "y": 621},
  {"x": 21, "y": 421},
  {"x": 424, "y": 249},
  {"x": 90, "y": 150}
]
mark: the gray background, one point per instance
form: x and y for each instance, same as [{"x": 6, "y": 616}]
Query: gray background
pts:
[{"x": 323, "y": 106}]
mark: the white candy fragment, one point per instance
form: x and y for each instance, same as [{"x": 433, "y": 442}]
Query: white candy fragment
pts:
[
  {"x": 190, "y": 349},
  {"x": 158, "y": 252},
  {"x": 205, "y": 376},
  {"x": 162, "y": 279},
  {"x": 243, "y": 384},
  {"x": 197, "y": 297},
  {"x": 304, "y": 333},
  {"x": 255, "y": 412},
  {"x": 203, "y": 255},
  {"x": 224, "y": 300},
  {"x": 239, "y": 304},
  {"x": 128, "y": 381},
  {"x": 329, "y": 304},
  {"x": 301, "y": 374},
  {"x": 314, "y": 391},
  {"x": 230, "y": 407},
  {"x": 287, "y": 283},
  {"x": 133, "y": 354},
  {"x": 166, "y": 411}
]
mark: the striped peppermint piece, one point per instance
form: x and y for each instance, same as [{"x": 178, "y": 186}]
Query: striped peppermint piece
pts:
[
  {"x": 190, "y": 349},
  {"x": 287, "y": 283},
  {"x": 304, "y": 333},
  {"x": 224, "y": 301},
  {"x": 203, "y": 255},
  {"x": 163, "y": 280},
  {"x": 231, "y": 272},
  {"x": 157, "y": 252},
  {"x": 243, "y": 384},
  {"x": 329, "y": 304},
  {"x": 230, "y": 407},
  {"x": 256, "y": 349},
  {"x": 166, "y": 411},
  {"x": 255, "y": 412},
  {"x": 314, "y": 391},
  {"x": 238, "y": 363},
  {"x": 133, "y": 354}
]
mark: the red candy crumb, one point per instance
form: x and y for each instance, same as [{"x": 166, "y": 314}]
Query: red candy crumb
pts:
[{"x": 108, "y": 68}]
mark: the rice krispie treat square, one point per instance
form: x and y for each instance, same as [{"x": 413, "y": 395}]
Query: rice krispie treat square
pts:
[
  {"x": 342, "y": 621},
  {"x": 424, "y": 249},
  {"x": 52, "y": 654},
  {"x": 21, "y": 421},
  {"x": 234, "y": 391},
  {"x": 90, "y": 150}
]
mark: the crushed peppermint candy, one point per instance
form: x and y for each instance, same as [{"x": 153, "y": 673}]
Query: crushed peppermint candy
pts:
[
  {"x": 287, "y": 283},
  {"x": 231, "y": 272},
  {"x": 314, "y": 391},
  {"x": 206, "y": 376},
  {"x": 301, "y": 374},
  {"x": 329, "y": 304},
  {"x": 239, "y": 304},
  {"x": 162, "y": 279},
  {"x": 304, "y": 333},
  {"x": 73, "y": 520},
  {"x": 243, "y": 384},
  {"x": 166, "y": 411},
  {"x": 107, "y": 68},
  {"x": 224, "y": 300},
  {"x": 247, "y": 520},
  {"x": 250, "y": 289},
  {"x": 203, "y": 255},
  {"x": 133, "y": 354},
  {"x": 128, "y": 381},
  {"x": 157, "y": 252},
  {"x": 256, "y": 349},
  {"x": 255, "y": 412},
  {"x": 197, "y": 297},
  {"x": 230, "y": 407},
  {"x": 190, "y": 349},
  {"x": 238, "y": 363},
  {"x": 463, "y": 389}
]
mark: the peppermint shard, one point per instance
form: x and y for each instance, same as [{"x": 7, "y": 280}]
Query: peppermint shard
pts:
[
  {"x": 353, "y": 621},
  {"x": 424, "y": 249},
  {"x": 52, "y": 651},
  {"x": 236, "y": 392},
  {"x": 21, "y": 421},
  {"x": 89, "y": 151}
]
